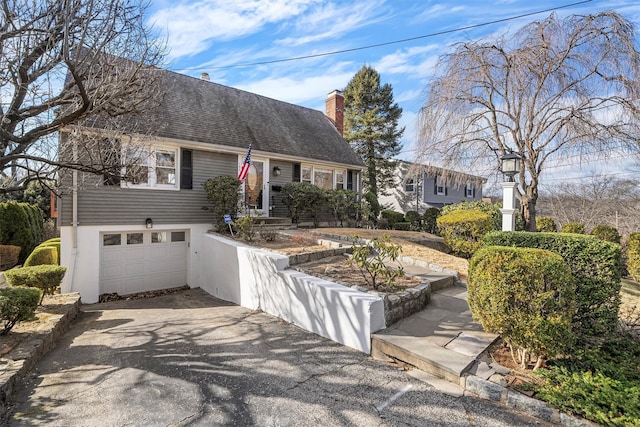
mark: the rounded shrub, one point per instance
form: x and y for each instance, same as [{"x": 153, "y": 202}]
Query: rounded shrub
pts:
[
  {"x": 42, "y": 255},
  {"x": 546, "y": 224},
  {"x": 633, "y": 256},
  {"x": 392, "y": 217},
  {"x": 53, "y": 244},
  {"x": 223, "y": 192},
  {"x": 429, "y": 220},
  {"x": 607, "y": 233},
  {"x": 463, "y": 230},
  {"x": 47, "y": 278},
  {"x": 415, "y": 219},
  {"x": 573, "y": 227},
  {"x": 478, "y": 205},
  {"x": 17, "y": 304},
  {"x": 526, "y": 295}
]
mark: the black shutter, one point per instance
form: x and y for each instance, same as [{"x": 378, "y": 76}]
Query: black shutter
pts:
[
  {"x": 474, "y": 190},
  {"x": 186, "y": 169},
  {"x": 349, "y": 180},
  {"x": 296, "y": 172},
  {"x": 435, "y": 184}
]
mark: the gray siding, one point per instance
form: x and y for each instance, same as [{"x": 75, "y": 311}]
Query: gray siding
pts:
[
  {"x": 110, "y": 205},
  {"x": 454, "y": 194}
]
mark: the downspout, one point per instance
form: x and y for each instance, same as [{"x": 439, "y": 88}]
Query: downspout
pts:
[{"x": 74, "y": 214}]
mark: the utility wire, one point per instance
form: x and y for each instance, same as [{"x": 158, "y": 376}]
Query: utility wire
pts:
[{"x": 438, "y": 33}]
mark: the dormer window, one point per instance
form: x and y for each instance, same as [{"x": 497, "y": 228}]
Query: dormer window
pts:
[{"x": 409, "y": 186}]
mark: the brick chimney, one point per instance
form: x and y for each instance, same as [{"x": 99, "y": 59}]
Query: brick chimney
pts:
[{"x": 335, "y": 109}]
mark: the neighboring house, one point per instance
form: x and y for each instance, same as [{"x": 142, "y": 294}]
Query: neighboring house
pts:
[
  {"x": 419, "y": 188},
  {"x": 128, "y": 237}
]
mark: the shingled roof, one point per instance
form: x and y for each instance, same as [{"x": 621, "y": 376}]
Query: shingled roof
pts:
[{"x": 202, "y": 111}]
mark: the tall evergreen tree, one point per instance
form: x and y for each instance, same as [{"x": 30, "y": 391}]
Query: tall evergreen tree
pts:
[{"x": 371, "y": 127}]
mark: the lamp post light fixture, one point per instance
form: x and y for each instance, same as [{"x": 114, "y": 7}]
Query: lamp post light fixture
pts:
[
  {"x": 510, "y": 167},
  {"x": 148, "y": 223},
  {"x": 277, "y": 171}
]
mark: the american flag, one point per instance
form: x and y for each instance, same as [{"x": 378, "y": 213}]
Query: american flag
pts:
[{"x": 244, "y": 170}]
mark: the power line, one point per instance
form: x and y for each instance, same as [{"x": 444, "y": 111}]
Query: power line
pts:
[{"x": 438, "y": 33}]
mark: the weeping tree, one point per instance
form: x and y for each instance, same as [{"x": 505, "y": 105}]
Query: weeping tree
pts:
[
  {"x": 371, "y": 127},
  {"x": 558, "y": 88},
  {"x": 69, "y": 64}
]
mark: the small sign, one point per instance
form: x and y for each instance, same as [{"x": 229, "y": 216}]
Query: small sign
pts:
[{"x": 227, "y": 219}]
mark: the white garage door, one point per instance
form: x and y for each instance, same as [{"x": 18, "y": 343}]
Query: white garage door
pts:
[{"x": 137, "y": 261}]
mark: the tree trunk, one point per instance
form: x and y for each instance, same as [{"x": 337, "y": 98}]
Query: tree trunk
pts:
[{"x": 528, "y": 202}]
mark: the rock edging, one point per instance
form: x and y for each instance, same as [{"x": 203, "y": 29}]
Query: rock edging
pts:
[{"x": 20, "y": 360}]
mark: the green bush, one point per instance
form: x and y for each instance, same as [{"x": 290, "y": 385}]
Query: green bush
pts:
[
  {"x": 371, "y": 258},
  {"x": 415, "y": 219},
  {"x": 8, "y": 256},
  {"x": 344, "y": 205},
  {"x": 526, "y": 295},
  {"x": 546, "y": 224},
  {"x": 223, "y": 193},
  {"x": 47, "y": 278},
  {"x": 478, "y": 205},
  {"x": 21, "y": 225},
  {"x": 392, "y": 217},
  {"x": 595, "y": 265},
  {"x": 53, "y": 244},
  {"x": 429, "y": 220},
  {"x": 633, "y": 256},
  {"x": 17, "y": 304},
  {"x": 462, "y": 230},
  {"x": 607, "y": 233},
  {"x": 303, "y": 197},
  {"x": 370, "y": 207},
  {"x": 573, "y": 227},
  {"x": 42, "y": 255}
]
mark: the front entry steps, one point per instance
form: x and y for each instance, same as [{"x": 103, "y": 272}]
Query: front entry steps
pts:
[{"x": 441, "y": 340}]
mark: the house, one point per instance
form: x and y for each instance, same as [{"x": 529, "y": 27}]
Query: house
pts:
[
  {"x": 420, "y": 187},
  {"x": 126, "y": 237}
]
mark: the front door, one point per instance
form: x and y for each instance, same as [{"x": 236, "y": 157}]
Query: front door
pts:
[{"x": 255, "y": 189}]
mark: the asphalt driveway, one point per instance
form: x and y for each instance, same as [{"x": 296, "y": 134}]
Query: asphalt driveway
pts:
[{"x": 189, "y": 359}]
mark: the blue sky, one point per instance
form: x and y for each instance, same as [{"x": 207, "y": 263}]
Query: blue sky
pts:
[{"x": 215, "y": 36}]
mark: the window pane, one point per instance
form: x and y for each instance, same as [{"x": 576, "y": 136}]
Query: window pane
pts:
[
  {"x": 323, "y": 179},
  {"x": 306, "y": 175},
  {"x": 165, "y": 176},
  {"x": 111, "y": 240},
  {"x": 134, "y": 238},
  {"x": 339, "y": 180},
  {"x": 177, "y": 236},
  {"x": 165, "y": 159},
  {"x": 158, "y": 237}
]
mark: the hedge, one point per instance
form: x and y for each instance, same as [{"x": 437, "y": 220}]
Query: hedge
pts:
[
  {"x": 429, "y": 219},
  {"x": 606, "y": 232},
  {"x": 462, "y": 230},
  {"x": 595, "y": 265},
  {"x": 392, "y": 217},
  {"x": 43, "y": 255},
  {"x": 44, "y": 277},
  {"x": 633, "y": 256},
  {"x": 9, "y": 255},
  {"x": 415, "y": 219},
  {"x": 573, "y": 227},
  {"x": 52, "y": 243},
  {"x": 17, "y": 304},
  {"x": 526, "y": 295},
  {"x": 546, "y": 224},
  {"x": 21, "y": 225}
]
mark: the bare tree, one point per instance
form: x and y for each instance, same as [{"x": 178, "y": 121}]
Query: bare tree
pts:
[
  {"x": 599, "y": 199},
  {"x": 555, "y": 88},
  {"x": 66, "y": 63}
]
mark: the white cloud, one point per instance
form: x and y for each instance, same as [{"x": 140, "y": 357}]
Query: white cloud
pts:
[
  {"x": 418, "y": 61},
  {"x": 192, "y": 26}
]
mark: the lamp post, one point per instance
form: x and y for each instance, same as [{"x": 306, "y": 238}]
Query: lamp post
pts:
[{"x": 510, "y": 167}]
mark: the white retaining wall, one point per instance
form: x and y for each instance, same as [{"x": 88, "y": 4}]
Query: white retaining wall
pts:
[{"x": 257, "y": 279}]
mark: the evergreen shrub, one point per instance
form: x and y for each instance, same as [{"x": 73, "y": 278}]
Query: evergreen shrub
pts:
[
  {"x": 223, "y": 193},
  {"x": 17, "y": 304},
  {"x": 415, "y": 219},
  {"x": 595, "y": 265},
  {"x": 8, "y": 256},
  {"x": 633, "y": 256},
  {"x": 573, "y": 227},
  {"x": 21, "y": 225},
  {"x": 55, "y": 244},
  {"x": 304, "y": 198},
  {"x": 478, "y": 205},
  {"x": 392, "y": 217},
  {"x": 404, "y": 226},
  {"x": 463, "y": 230},
  {"x": 42, "y": 255},
  {"x": 429, "y": 220},
  {"x": 526, "y": 295},
  {"x": 606, "y": 232},
  {"x": 546, "y": 224},
  {"x": 47, "y": 278}
]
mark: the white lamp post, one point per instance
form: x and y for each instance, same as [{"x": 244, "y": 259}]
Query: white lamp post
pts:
[{"x": 510, "y": 167}]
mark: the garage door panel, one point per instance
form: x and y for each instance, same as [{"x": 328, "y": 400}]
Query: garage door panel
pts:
[{"x": 153, "y": 264}]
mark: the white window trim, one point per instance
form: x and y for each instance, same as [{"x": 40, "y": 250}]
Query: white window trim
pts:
[
  {"x": 440, "y": 184},
  {"x": 334, "y": 172},
  {"x": 151, "y": 174},
  {"x": 469, "y": 189},
  {"x": 411, "y": 182}
]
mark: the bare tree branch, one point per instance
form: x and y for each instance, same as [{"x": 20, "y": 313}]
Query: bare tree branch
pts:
[{"x": 555, "y": 88}]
